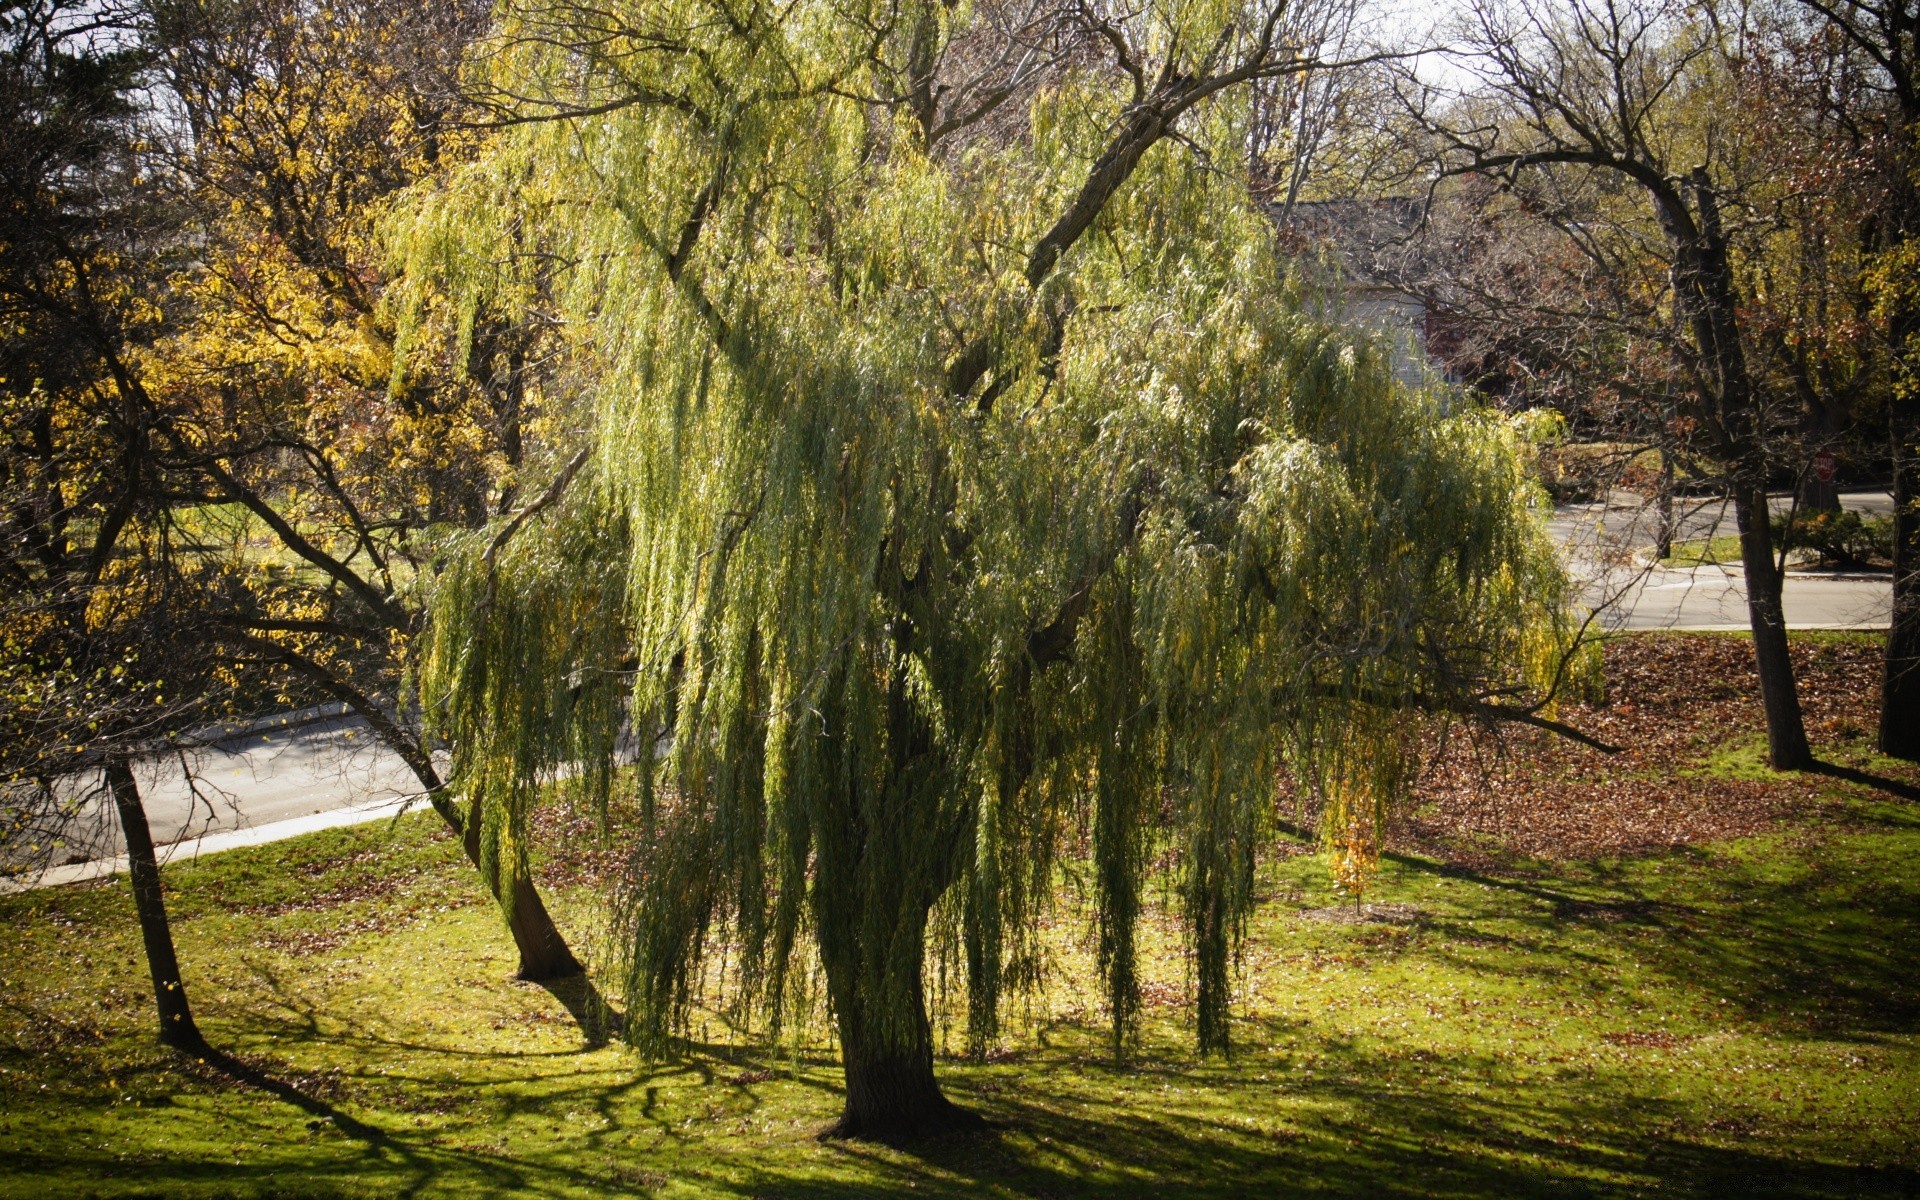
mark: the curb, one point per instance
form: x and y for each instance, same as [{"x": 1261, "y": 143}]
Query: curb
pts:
[
  {"x": 227, "y": 731},
  {"x": 213, "y": 843}
]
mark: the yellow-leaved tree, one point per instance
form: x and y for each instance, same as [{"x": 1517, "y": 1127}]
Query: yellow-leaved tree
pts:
[{"x": 333, "y": 463}]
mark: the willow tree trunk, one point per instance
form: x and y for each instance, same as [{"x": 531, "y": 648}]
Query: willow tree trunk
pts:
[
  {"x": 544, "y": 953},
  {"x": 1787, "y": 747},
  {"x": 886, "y": 1042},
  {"x": 876, "y": 881},
  {"x": 177, "y": 1028},
  {"x": 1900, "y": 682},
  {"x": 886, "y": 846}
]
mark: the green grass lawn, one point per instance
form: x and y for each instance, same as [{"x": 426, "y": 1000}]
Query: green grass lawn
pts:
[
  {"x": 233, "y": 529},
  {"x": 1704, "y": 552},
  {"x": 1730, "y": 1018}
]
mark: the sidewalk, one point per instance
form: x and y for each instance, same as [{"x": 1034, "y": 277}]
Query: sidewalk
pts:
[{"x": 213, "y": 843}]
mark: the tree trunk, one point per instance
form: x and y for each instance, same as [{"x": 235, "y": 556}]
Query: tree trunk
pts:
[
  {"x": 1900, "y": 682},
  {"x": 1704, "y": 291},
  {"x": 170, "y": 993},
  {"x": 1818, "y": 495},
  {"x": 884, "y": 852},
  {"x": 1787, "y": 747},
  {"x": 891, "y": 1092},
  {"x": 886, "y": 1042},
  {"x": 1663, "y": 537},
  {"x": 544, "y": 953}
]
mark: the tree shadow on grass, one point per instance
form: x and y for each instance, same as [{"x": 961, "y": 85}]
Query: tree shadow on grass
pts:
[
  {"x": 1894, "y": 787},
  {"x": 1827, "y": 951},
  {"x": 254, "y": 1076},
  {"x": 598, "y": 1020},
  {"x": 1830, "y": 951},
  {"x": 1828, "y": 941},
  {"x": 1067, "y": 1127},
  {"x": 271, "y": 1159},
  {"x": 1339, "y": 1137},
  {"x": 1832, "y": 946}
]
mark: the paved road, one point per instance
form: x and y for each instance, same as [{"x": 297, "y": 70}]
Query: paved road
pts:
[
  {"x": 1607, "y": 549},
  {"x": 272, "y": 783},
  {"x": 290, "y": 777},
  {"x": 1626, "y": 519}
]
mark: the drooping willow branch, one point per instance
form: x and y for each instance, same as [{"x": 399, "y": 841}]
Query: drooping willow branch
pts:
[{"x": 540, "y": 504}]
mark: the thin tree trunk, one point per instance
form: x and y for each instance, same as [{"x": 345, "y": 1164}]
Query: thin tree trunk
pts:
[
  {"x": 1704, "y": 292},
  {"x": 1787, "y": 747},
  {"x": 1663, "y": 540},
  {"x": 1900, "y": 681},
  {"x": 544, "y": 953},
  {"x": 177, "y": 1028}
]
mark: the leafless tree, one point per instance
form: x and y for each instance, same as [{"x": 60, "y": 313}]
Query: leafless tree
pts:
[
  {"x": 1588, "y": 89},
  {"x": 1872, "y": 92}
]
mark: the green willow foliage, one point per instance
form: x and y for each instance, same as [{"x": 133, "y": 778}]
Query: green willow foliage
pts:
[{"x": 911, "y": 641}]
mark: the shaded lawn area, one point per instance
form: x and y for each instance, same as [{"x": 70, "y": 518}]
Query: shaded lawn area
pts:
[{"x": 1721, "y": 998}]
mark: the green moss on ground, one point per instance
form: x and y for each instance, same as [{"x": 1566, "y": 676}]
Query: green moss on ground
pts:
[{"x": 1740, "y": 1018}]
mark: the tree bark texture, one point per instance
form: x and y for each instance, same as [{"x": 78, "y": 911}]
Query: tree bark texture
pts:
[
  {"x": 1900, "y": 681},
  {"x": 886, "y": 848},
  {"x": 177, "y": 1028},
  {"x": 886, "y": 1042},
  {"x": 1787, "y": 747},
  {"x": 891, "y": 1092},
  {"x": 544, "y": 953}
]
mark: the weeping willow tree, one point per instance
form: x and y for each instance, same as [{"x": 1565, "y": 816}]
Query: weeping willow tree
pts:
[{"x": 963, "y": 490}]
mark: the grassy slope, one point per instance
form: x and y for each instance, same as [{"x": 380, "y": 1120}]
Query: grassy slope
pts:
[{"x": 1739, "y": 1018}]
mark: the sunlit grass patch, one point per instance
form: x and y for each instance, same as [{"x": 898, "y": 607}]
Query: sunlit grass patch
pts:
[
  {"x": 1718, "y": 1018},
  {"x": 1704, "y": 1022},
  {"x": 1704, "y": 552},
  {"x": 1739, "y": 758}
]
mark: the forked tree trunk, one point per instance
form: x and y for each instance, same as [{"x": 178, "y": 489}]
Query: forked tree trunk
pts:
[
  {"x": 1787, "y": 747},
  {"x": 169, "y": 991},
  {"x": 1900, "y": 683}
]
